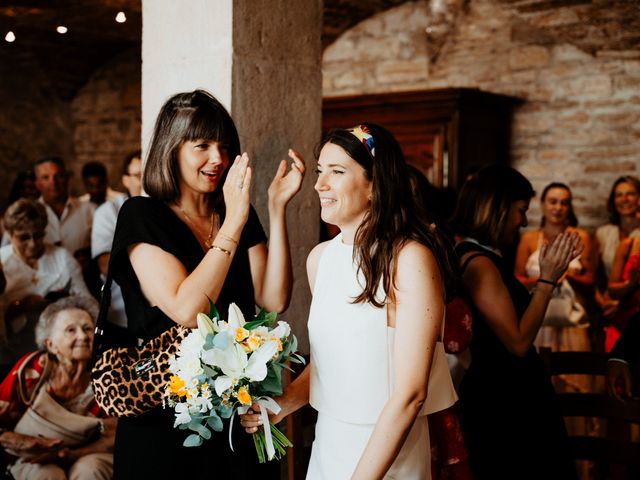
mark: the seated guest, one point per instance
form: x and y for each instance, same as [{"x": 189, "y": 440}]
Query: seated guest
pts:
[
  {"x": 80, "y": 446},
  {"x": 557, "y": 217},
  {"x": 24, "y": 186},
  {"x": 624, "y": 355},
  {"x": 104, "y": 226},
  {"x": 624, "y": 286},
  {"x": 69, "y": 220},
  {"x": 624, "y": 221},
  {"x": 96, "y": 183},
  {"x": 36, "y": 273}
]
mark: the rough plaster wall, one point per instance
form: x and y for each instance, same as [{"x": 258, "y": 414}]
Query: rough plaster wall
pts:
[
  {"x": 33, "y": 123},
  {"x": 106, "y": 116},
  {"x": 581, "y": 120}
]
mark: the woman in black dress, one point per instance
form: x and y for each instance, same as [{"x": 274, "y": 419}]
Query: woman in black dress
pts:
[
  {"x": 510, "y": 419},
  {"x": 196, "y": 236}
]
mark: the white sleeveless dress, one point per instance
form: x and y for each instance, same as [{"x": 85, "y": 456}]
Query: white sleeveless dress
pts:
[{"x": 352, "y": 375}]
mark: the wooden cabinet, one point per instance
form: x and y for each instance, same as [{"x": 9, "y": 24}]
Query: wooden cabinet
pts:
[{"x": 447, "y": 133}]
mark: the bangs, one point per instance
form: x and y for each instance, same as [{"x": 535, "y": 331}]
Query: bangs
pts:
[{"x": 205, "y": 123}]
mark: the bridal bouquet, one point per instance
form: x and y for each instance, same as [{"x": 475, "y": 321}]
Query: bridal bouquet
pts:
[{"x": 222, "y": 368}]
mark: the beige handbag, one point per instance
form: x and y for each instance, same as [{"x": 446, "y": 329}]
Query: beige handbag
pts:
[
  {"x": 564, "y": 309},
  {"x": 45, "y": 417}
]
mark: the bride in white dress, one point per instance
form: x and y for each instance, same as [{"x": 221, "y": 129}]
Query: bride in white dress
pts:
[{"x": 377, "y": 366}]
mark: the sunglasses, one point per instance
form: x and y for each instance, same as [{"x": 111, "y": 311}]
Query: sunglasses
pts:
[{"x": 24, "y": 237}]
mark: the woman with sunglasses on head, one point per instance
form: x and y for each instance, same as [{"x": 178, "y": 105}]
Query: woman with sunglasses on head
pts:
[
  {"x": 196, "y": 236},
  {"x": 36, "y": 274},
  {"x": 376, "y": 317}
]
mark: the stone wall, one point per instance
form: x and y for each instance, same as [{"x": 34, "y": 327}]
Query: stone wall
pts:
[
  {"x": 577, "y": 67},
  {"x": 33, "y": 123},
  {"x": 106, "y": 115}
]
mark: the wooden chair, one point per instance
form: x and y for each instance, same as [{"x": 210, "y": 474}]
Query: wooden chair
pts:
[{"x": 616, "y": 456}]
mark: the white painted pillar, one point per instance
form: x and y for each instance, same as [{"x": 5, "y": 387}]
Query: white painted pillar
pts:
[{"x": 262, "y": 60}]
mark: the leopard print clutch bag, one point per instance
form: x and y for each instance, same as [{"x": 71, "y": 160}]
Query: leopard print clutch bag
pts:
[{"x": 129, "y": 381}]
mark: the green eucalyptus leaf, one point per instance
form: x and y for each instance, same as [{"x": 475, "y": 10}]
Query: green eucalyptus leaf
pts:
[
  {"x": 225, "y": 412},
  {"x": 215, "y": 422},
  {"x": 193, "y": 440}
]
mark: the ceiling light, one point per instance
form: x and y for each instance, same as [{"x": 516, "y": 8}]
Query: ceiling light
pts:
[
  {"x": 121, "y": 17},
  {"x": 62, "y": 29},
  {"x": 10, "y": 37}
]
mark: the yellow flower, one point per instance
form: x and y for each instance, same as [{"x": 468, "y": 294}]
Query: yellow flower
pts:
[
  {"x": 243, "y": 396},
  {"x": 253, "y": 342},
  {"x": 176, "y": 386},
  {"x": 241, "y": 334}
]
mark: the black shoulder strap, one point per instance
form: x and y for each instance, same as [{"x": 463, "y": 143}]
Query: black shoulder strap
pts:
[{"x": 467, "y": 261}]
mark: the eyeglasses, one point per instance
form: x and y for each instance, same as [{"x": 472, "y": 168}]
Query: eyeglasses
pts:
[
  {"x": 134, "y": 175},
  {"x": 24, "y": 237}
]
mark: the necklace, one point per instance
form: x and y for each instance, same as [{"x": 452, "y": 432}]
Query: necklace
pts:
[{"x": 209, "y": 238}]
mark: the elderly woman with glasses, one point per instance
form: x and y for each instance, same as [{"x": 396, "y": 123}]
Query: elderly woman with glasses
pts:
[
  {"x": 51, "y": 425},
  {"x": 36, "y": 274}
]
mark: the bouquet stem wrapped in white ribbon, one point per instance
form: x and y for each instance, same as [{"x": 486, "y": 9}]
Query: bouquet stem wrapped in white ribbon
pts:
[{"x": 224, "y": 367}]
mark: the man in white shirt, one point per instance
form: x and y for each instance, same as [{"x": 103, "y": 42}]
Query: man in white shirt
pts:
[
  {"x": 104, "y": 226},
  {"x": 69, "y": 220}
]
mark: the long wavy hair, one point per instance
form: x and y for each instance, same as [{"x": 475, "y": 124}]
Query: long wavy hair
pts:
[
  {"x": 393, "y": 217},
  {"x": 571, "y": 215},
  {"x": 187, "y": 116},
  {"x": 614, "y": 216}
]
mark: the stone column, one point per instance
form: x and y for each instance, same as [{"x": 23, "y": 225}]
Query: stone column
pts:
[{"x": 262, "y": 61}]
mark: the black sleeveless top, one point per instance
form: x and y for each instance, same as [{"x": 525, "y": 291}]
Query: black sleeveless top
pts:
[
  {"x": 485, "y": 345},
  {"x": 145, "y": 220},
  {"x": 512, "y": 425}
]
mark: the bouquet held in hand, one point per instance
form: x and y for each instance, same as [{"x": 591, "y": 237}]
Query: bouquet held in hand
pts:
[{"x": 224, "y": 367}]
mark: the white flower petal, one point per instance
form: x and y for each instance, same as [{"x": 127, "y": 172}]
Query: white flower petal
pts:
[
  {"x": 205, "y": 325},
  {"x": 256, "y": 369},
  {"x": 222, "y": 384},
  {"x": 236, "y": 319}
]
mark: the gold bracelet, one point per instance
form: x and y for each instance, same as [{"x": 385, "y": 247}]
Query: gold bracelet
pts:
[
  {"x": 220, "y": 249},
  {"x": 227, "y": 237}
]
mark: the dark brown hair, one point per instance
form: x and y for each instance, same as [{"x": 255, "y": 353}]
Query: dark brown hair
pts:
[
  {"x": 485, "y": 200},
  {"x": 571, "y": 216},
  {"x": 129, "y": 159},
  {"x": 394, "y": 217},
  {"x": 186, "y": 117},
  {"x": 614, "y": 216}
]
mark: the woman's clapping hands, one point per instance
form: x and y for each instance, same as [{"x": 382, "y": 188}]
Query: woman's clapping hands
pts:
[
  {"x": 237, "y": 190},
  {"x": 286, "y": 184},
  {"x": 556, "y": 256}
]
